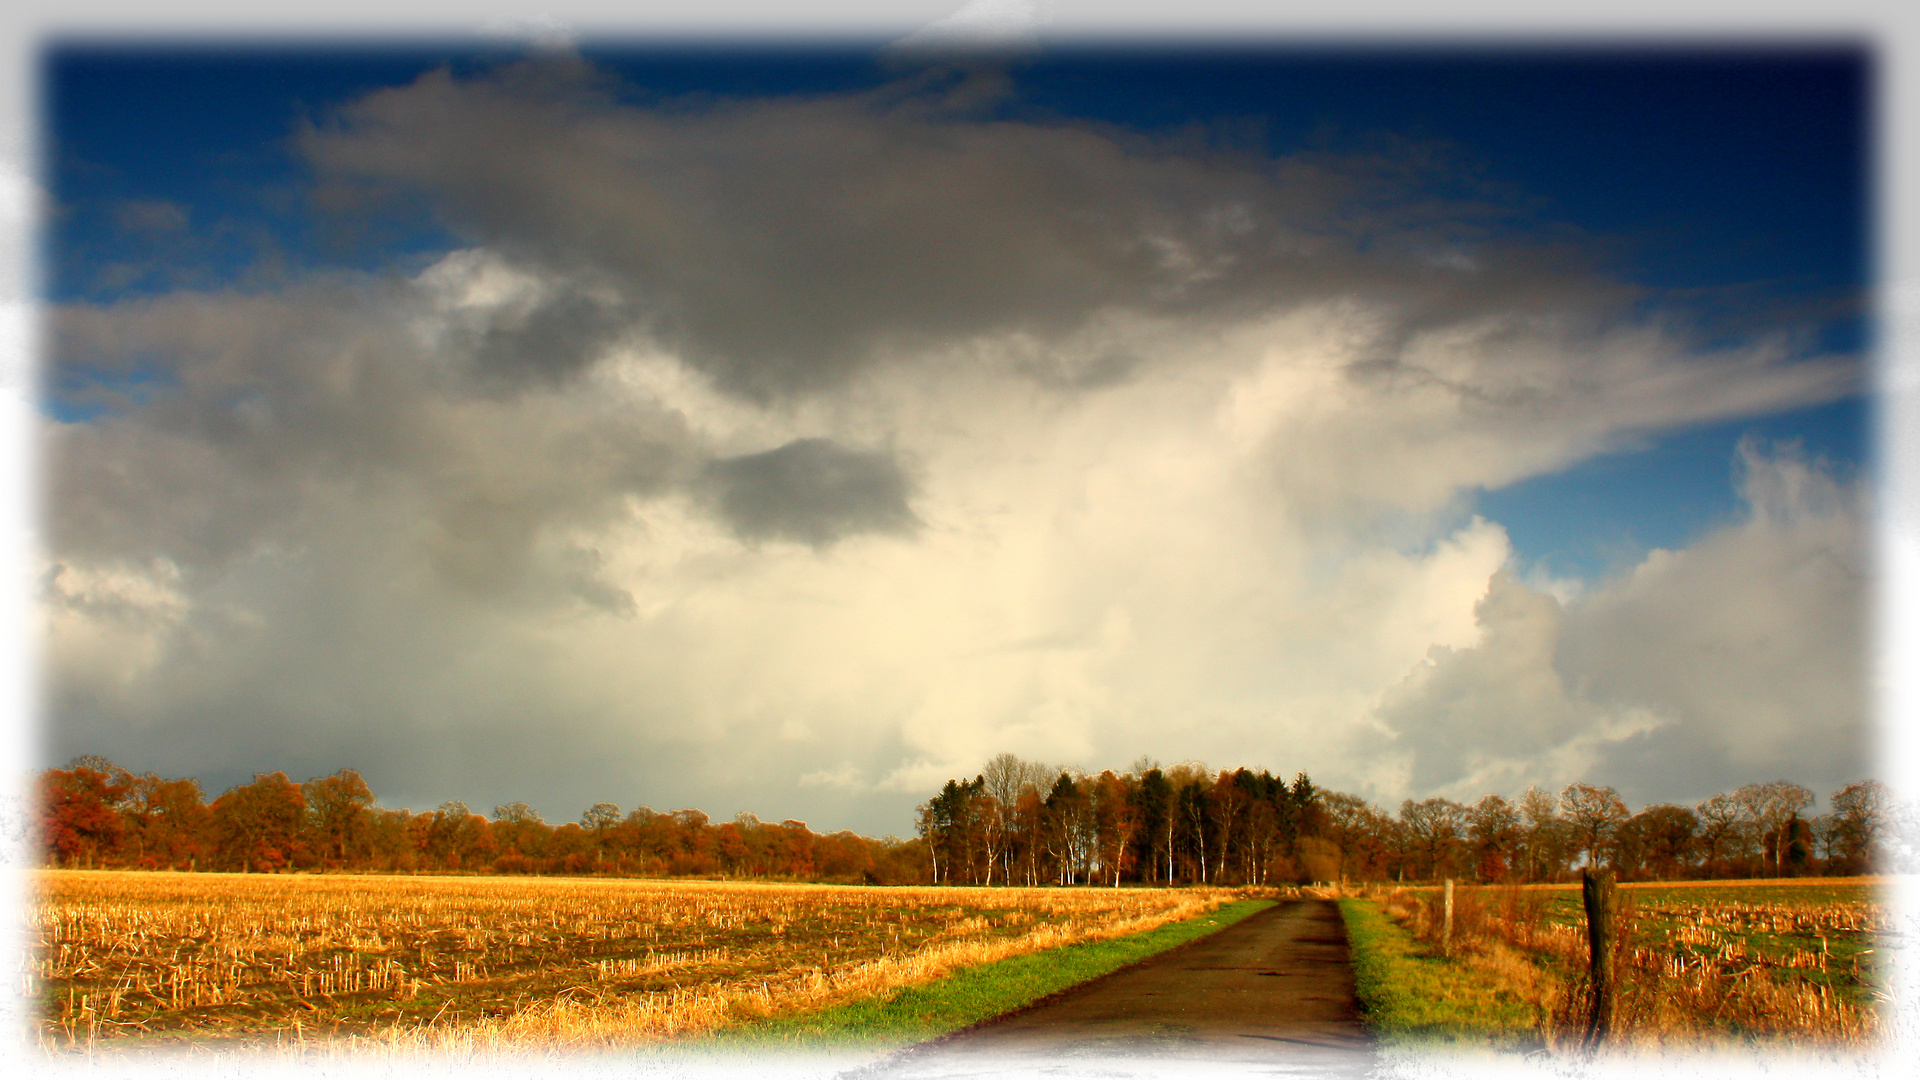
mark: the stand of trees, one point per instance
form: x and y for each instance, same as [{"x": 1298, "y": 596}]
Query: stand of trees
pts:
[
  {"x": 1016, "y": 823},
  {"x": 1022, "y": 823},
  {"x": 96, "y": 814}
]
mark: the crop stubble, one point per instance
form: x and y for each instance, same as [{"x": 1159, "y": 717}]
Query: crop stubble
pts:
[
  {"x": 134, "y": 959},
  {"x": 1764, "y": 960}
]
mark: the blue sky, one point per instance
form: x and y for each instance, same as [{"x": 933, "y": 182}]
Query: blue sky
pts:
[{"x": 1588, "y": 303}]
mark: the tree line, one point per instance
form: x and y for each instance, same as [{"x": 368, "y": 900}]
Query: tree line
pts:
[
  {"x": 1022, "y": 823},
  {"x": 1016, "y": 822},
  {"x": 94, "y": 814}
]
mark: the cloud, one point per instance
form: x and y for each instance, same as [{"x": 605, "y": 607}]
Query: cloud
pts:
[
  {"x": 1753, "y": 641},
  {"x": 786, "y": 244},
  {"x": 1498, "y": 715},
  {"x": 812, "y": 491},
  {"x": 846, "y": 777},
  {"x": 1739, "y": 657},
  {"x": 756, "y": 440}
]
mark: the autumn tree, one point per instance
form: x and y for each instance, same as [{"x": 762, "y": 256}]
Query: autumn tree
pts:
[
  {"x": 389, "y": 840},
  {"x": 1493, "y": 832},
  {"x": 1593, "y": 814},
  {"x": 730, "y": 846},
  {"x": 1363, "y": 833},
  {"x": 1659, "y": 842},
  {"x": 80, "y": 819},
  {"x": 989, "y": 820},
  {"x": 796, "y": 848},
  {"x": 1116, "y": 821},
  {"x": 521, "y": 837},
  {"x": 844, "y": 856},
  {"x": 338, "y": 812},
  {"x": 455, "y": 837},
  {"x": 260, "y": 825},
  {"x": 168, "y": 820}
]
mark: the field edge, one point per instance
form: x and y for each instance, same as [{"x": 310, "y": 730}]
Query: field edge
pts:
[
  {"x": 969, "y": 996},
  {"x": 1411, "y": 999}
]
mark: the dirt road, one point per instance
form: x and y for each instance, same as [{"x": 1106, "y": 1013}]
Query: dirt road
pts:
[{"x": 1270, "y": 995}]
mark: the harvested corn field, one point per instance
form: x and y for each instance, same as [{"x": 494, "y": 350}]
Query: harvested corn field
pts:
[
  {"x": 1767, "y": 962},
  {"x": 137, "y": 959}
]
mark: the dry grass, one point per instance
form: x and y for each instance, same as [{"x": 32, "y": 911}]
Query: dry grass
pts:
[
  {"x": 1769, "y": 967},
  {"x": 475, "y": 964}
]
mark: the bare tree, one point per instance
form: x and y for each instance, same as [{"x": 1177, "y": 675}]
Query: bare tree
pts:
[
  {"x": 1772, "y": 808},
  {"x": 1433, "y": 826},
  {"x": 1829, "y": 837},
  {"x": 1542, "y": 835},
  {"x": 601, "y": 815},
  {"x": 1007, "y": 775},
  {"x": 515, "y": 812},
  {"x": 1594, "y": 813},
  {"x": 1859, "y": 812},
  {"x": 1719, "y": 826},
  {"x": 1008, "y": 778}
]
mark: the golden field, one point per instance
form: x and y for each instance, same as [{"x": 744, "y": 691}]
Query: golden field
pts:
[{"x": 133, "y": 959}]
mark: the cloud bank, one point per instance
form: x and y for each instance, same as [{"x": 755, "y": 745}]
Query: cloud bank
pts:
[
  {"x": 1743, "y": 655},
  {"x": 796, "y": 454}
]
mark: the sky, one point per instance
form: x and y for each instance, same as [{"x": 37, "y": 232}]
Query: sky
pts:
[{"x": 788, "y": 429}]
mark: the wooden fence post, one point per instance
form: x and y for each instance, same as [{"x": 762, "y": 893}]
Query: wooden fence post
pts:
[
  {"x": 1597, "y": 895},
  {"x": 1446, "y": 924}
]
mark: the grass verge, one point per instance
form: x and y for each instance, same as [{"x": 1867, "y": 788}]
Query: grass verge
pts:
[
  {"x": 917, "y": 1013},
  {"x": 1409, "y": 996}
]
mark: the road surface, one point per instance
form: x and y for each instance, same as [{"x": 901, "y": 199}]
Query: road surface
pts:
[{"x": 1271, "y": 995}]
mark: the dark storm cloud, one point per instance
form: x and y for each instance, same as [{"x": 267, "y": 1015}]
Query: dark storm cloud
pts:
[
  {"x": 785, "y": 244},
  {"x": 1062, "y": 370},
  {"x": 252, "y": 415},
  {"x": 552, "y": 341},
  {"x": 813, "y": 491}
]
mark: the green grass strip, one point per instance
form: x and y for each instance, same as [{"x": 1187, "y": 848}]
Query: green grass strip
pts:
[
  {"x": 1411, "y": 997},
  {"x": 916, "y": 1013}
]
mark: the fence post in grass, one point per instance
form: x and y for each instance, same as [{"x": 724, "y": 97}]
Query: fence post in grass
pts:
[
  {"x": 1446, "y": 922},
  {"x": 1597, "y": 895}
]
